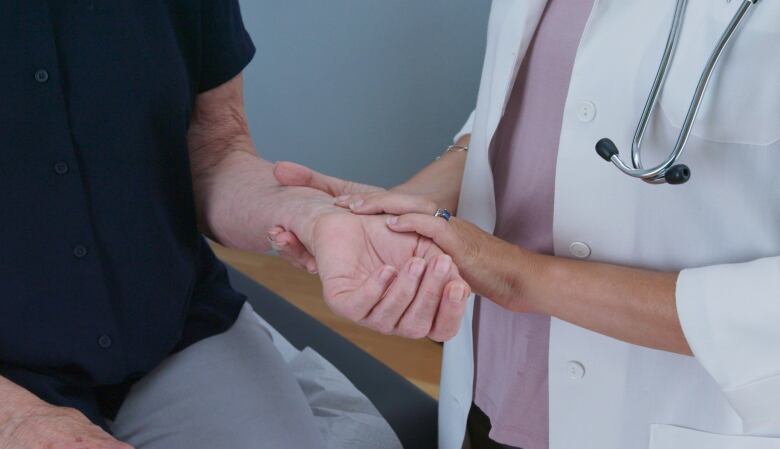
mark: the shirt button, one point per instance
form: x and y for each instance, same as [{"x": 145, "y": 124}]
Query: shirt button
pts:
[
  {"x": 579, "y": 250},
  {"x": 586, "y": 111},
  {"x": 576, "y": 370},
  {"x": 41, "y": 76},
  {"x": 61, "y": 167},
  {"x": 105, "y": 341},
  {"x": 80, "y": 251}
]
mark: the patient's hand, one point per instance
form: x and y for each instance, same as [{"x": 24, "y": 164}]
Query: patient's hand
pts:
[
  {"x": 51, "y": 427},
  {"x": 395, "y": 283}
]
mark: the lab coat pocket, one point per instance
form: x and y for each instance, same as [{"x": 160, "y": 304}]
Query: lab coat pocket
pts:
[
  {"x": 758, "y": 404},
  {"x": 742, "y": 102},
  {"x": 673, "y": 437}
]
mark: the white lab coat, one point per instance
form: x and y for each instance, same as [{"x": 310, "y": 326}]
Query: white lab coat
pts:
[{"x": 722, "y": 229}]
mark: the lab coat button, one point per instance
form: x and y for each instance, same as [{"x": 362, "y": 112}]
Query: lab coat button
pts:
[
  {"x": 576, "y": 370},
  {"x": 105, "y": 341},
  {"x": 61, "y": 167},
  {"x": 41, "y": 76},
  {"x": 579, "y": 250},
  {"x": 586, "y": 111}
]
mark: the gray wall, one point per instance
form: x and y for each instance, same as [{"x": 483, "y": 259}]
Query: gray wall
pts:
[{"x": 370, "y": 90}]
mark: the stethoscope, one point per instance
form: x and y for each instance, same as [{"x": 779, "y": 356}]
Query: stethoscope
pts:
[{"x": 670, "y": 171}]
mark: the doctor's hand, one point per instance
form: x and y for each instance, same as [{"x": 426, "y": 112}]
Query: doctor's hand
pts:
[
  {"x": 481, "y": 257},
  {"x": 361, "y": 198},
  {"x": 490, "y": 265},
  {"x": 290, "y": 174},
  {"x": 401, "y": 284}
]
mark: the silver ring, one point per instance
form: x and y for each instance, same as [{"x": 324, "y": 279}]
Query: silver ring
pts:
[{"x": 443, "y": 213}]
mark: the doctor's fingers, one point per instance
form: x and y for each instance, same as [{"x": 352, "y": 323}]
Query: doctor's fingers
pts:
[
  {"x": 388, "y": 312},
  {"x": 387, "y": 203},
  {"x": 417, "y": 321},
  {"x": 451, "y": 310},
  {"x": 292, "y": 174},
  {"x": 449, "y": 235},
  {"x": 289, "y": 248}
]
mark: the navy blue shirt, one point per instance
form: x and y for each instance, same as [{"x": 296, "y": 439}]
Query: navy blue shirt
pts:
[{"x": 102, "y": 270}]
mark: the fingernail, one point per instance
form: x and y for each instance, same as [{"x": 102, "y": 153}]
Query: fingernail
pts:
[
  {"x": 443, "y": 265},
  {"x": 356, "y": 204},
  {"x": 342, "y": 198},
  {"x": 458, "y": 293},
  {"x": 274, "y": 232},
  {"x": 417, "y": 267},
  {"x": 386, "y": 274},
  {"x": 392, "y": 221},
  {"x": 280, "y": 244}
]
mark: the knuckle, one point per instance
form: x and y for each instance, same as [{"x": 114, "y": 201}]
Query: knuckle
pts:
[
  {"x": 384, "y": 328},
  {"x": 379, "y": 324},
  {"x": 471, "y": 250},
  {"x": 72, "y": 413},
  {"x": 350, "y": 313},
  {"x": 429, "y": 293},
  {"x": 440, "y": 227},
  {"x": 437, "y": 337},
  {"x": 414, "y": 331},
  {"x": 447, "y": 336},
  {"x": 403, "y": 332}
]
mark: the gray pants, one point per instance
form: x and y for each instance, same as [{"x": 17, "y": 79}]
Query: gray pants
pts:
[{"x": 230, "y": 391}]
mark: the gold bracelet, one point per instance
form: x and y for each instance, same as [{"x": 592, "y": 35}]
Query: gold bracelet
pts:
[{"x": 453, "y": 149}]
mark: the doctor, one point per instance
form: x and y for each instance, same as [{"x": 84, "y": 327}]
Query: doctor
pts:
[{"x": 610, "y": 313}]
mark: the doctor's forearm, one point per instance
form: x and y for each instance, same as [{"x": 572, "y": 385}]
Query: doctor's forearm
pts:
[
  {"x": 440, "y": 181},
  {"x": 633, "y": 305}
]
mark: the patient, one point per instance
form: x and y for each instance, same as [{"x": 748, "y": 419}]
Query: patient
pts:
[{"x": 124, "y": 135}]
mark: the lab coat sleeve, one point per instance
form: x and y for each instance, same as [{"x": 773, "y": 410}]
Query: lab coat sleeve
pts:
[
  {"x": 466, "y": 128},
  {"x": 731, "y": 318}
]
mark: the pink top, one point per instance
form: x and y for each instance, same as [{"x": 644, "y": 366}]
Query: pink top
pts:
[{"x": 511, "y": 348}]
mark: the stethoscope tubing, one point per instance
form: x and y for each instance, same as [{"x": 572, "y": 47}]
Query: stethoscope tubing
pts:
[{"x": 657, "y": 173}]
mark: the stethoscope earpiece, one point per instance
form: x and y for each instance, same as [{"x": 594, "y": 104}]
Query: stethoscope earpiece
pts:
[
  {"x": 606, "y": 148},
  {"x": 678, "y": 174},
  {"x": 668, "y": 171}
]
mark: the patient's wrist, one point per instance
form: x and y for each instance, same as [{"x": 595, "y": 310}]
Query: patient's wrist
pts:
[{"x": 303, "y": 218}]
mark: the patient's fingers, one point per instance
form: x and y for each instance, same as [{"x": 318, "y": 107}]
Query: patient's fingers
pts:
[
  {"x": 387, "y": 313},
  {"x": 291, "y": 249},
  {"x": 356, "y": 304},
  {"x": 450, "y": 311},
  {"x": 387, "y": 203},
  {"x": 418, "y": 319}
]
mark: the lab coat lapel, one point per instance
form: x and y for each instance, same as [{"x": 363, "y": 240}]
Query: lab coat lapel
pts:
[
  {"x": 513, "y": 24},
  {"x": 515, "y": 38}
]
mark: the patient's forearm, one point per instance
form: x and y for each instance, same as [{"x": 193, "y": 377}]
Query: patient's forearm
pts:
[
  {"x": 440, "y": 180},
  {"x": 239, "y": 199}
]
